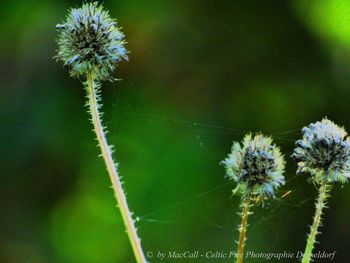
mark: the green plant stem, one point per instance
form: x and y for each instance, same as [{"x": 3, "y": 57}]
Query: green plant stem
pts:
[
  {"x": 320, "y": 204},
  {"x": 242, "y": 230},
  {"x": 92, "y": 91}
]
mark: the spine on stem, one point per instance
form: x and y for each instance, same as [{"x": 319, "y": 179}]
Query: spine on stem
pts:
[
  {"x": 320, "y": 205},
  {"x": 243, "y": 230}
]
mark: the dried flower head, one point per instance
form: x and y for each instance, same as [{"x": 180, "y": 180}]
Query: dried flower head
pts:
[
  {"x": 256, "y": 165},
  {"x": 90, "y": 41},
  {"x": 324, "y": 151}
]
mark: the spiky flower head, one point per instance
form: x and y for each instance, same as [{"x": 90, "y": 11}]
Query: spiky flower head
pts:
[
  {"x": 90, "y": 41},
  {"x": 256, "y": 165},
  {"x": 324, "y": 151}
]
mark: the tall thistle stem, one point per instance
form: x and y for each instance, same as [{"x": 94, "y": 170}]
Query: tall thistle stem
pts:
[
  {"x": 243, "y": 230},
  {"x": 324, "y": 151},
  {"x": 320, "y": 204},
  {"x": 93, "y": 104}
]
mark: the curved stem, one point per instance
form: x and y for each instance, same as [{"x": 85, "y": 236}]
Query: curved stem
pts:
[
  {"x": 243, "y": 230},
  {"x": 92, "y": 92},
  {"x": 320, "y": 204}
]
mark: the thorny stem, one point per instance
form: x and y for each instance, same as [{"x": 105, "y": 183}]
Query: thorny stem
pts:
[
  {"x": 243, "y": 230},
  {"x": 320, "y": 204},
  {"x": 92, "y": 91}
]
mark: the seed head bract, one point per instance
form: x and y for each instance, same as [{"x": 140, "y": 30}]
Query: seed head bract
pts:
[
  {"x": 324, "y": 151},
  {"x": 256, "y": 165}
]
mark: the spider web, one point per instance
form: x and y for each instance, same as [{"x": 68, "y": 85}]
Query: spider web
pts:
[{"x": 289, "y": 200}]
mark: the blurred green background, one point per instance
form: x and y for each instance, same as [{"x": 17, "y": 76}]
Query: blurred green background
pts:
[{"x": 201, "y": 74}]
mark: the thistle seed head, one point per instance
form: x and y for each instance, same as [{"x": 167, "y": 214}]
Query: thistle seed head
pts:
[
  {"x": 256, "y": 165},
  {"x": 324, "y": 151},
  {"x": 90, "y": 41}
]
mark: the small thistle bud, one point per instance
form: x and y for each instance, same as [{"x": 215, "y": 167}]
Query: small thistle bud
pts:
[
  {"x": 324, "y": 151},
  {"x": 90, "y": 41},
  {"x": 256, "y": 165}
]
